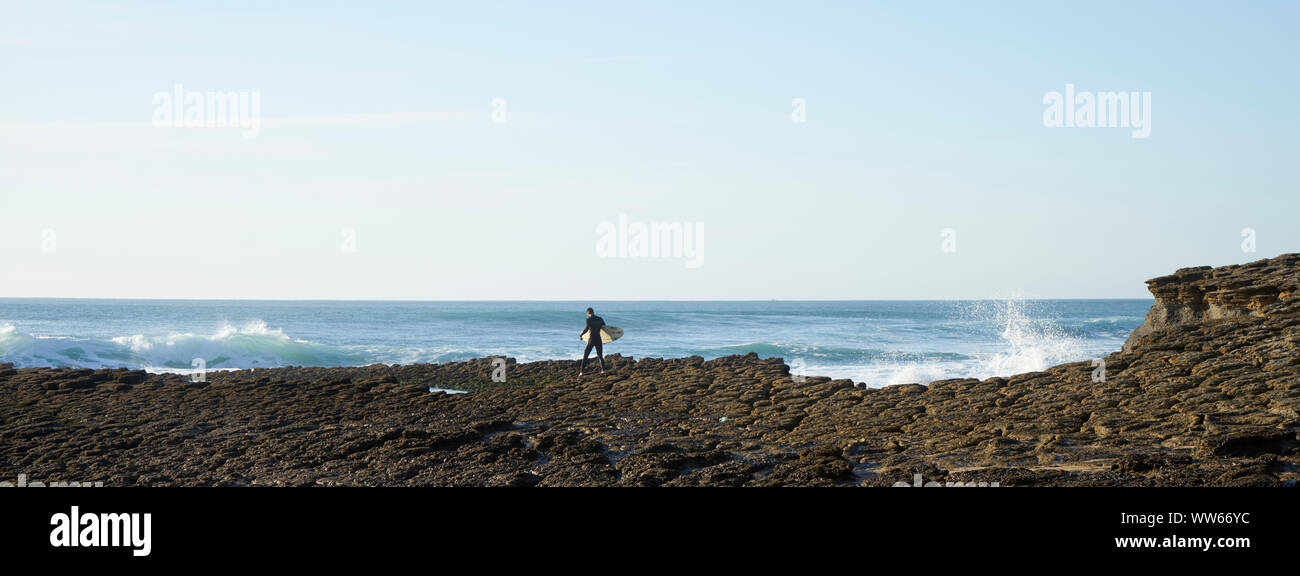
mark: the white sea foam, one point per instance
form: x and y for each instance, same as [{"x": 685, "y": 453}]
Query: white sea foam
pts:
[
  {"x": 1028, "y": 344},
  {"x": 253, "y": 345},
  {"x": 1032, "y": 344}
]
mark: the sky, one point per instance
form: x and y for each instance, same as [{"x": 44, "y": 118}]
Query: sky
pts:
[{"x": 475, "y": 150}]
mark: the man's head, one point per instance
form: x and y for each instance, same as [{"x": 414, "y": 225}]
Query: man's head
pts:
[{"x": 591, "y": 312}]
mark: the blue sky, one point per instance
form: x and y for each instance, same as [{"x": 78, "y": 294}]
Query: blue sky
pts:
[{"x": 378, "y": 119}]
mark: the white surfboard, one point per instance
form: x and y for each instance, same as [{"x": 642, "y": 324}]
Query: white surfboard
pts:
[{"x": 607, "y": 334}]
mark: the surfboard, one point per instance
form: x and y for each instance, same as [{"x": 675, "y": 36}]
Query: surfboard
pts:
[{"x": 607, "y": 334}]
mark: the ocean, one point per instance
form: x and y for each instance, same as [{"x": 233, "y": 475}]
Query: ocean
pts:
[{"x": 872, "y": 342}]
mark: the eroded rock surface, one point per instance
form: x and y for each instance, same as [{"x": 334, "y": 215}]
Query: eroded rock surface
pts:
[{"x": 1206, "y": 392}]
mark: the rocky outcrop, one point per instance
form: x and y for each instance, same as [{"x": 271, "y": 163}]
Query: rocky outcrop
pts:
[
  {"x": 1207, "y": 394},
  {"x": 1202, "y": 295}
]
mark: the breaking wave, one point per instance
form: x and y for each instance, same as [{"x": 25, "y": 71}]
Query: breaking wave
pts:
[{"x": 230, "y": 347}]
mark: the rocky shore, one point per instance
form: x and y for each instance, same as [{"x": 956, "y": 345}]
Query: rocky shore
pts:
[{"x": 1205, "y": 392}]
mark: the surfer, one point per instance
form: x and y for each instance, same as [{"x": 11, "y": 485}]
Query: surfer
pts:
[{"x": 594, "y": 324}]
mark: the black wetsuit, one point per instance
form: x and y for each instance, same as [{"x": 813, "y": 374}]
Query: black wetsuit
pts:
[{"x": 594, "y": 324}]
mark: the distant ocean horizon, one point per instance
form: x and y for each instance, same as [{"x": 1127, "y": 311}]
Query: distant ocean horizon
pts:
[{"x": 874, "y": 342}]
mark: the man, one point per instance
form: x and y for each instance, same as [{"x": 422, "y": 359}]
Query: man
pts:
[{"x": 594, "y": 324}]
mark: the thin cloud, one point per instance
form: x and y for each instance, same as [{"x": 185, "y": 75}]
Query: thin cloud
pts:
[
  {"x": 365, "y": 119},
  {"x": 362, "y": 119}
]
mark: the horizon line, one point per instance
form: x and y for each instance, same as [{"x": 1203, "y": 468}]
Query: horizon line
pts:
[{"x": 504, "y": 300}]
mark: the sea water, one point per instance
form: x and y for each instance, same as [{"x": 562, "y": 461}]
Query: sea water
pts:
[{"x": 871, "y": 342}]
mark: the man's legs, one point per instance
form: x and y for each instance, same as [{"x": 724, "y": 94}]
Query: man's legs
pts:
[
  {"x": 590, "y": 345},
  {"x": 600, "y": 354}
]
